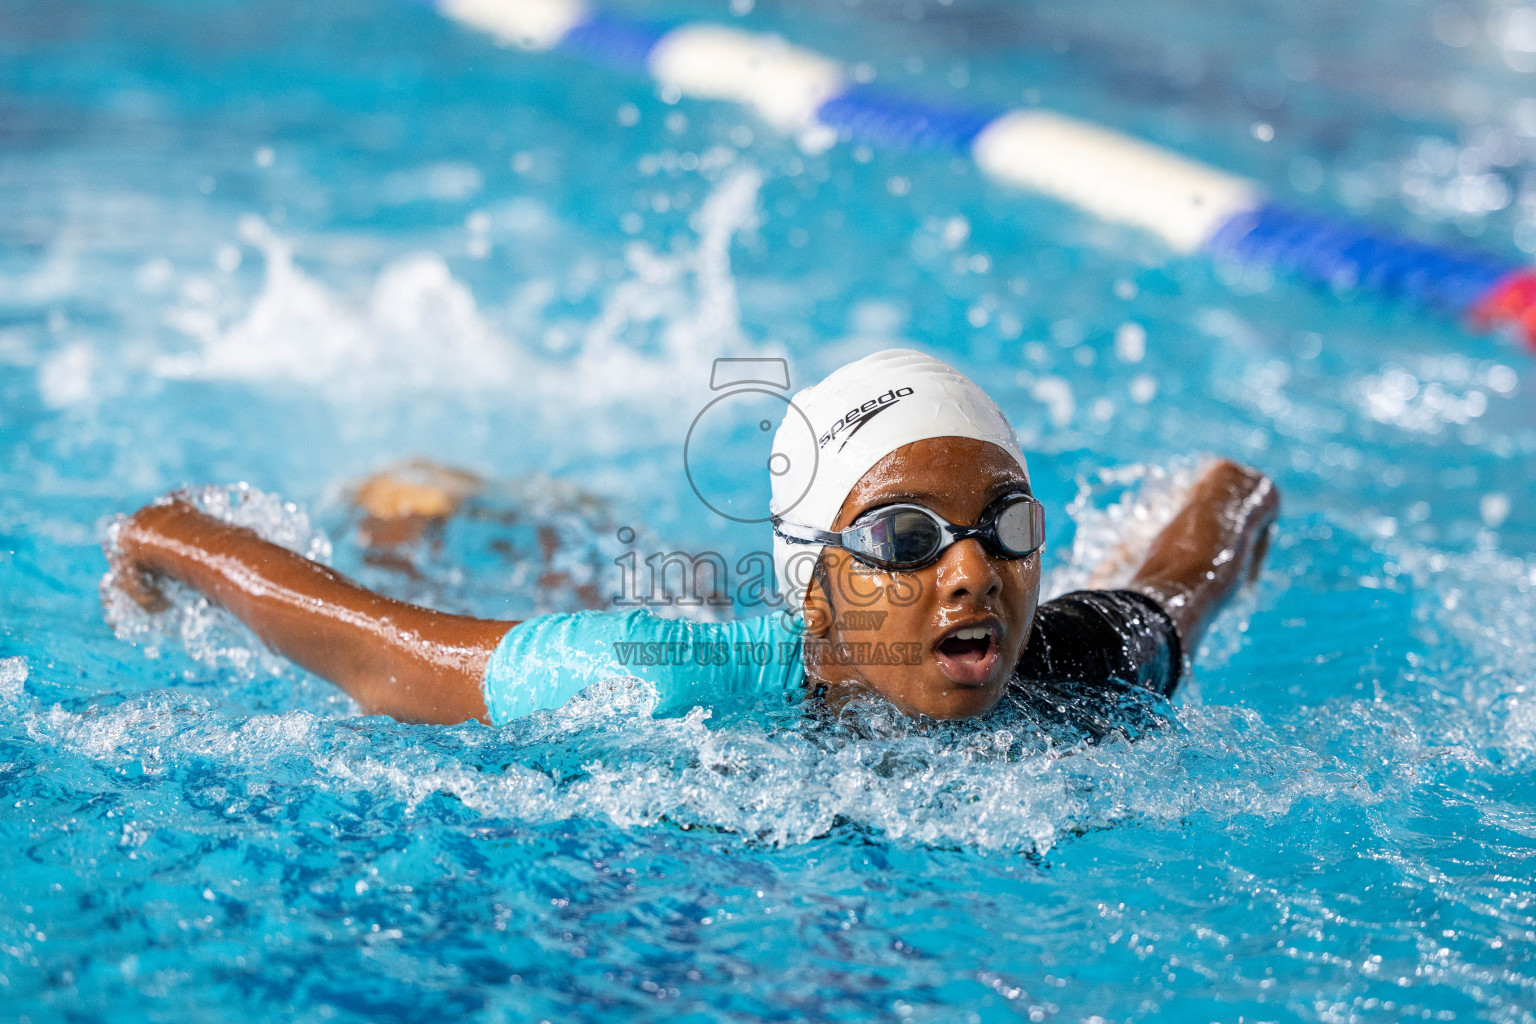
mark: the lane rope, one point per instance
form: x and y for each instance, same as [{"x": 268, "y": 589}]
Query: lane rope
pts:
[{"x": 1192, "y": 207}]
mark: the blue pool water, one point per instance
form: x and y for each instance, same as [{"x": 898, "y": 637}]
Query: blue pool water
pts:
[{"x": 288, "y": 243}]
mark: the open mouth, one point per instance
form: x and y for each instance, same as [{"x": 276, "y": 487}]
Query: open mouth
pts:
[{"x": 968, "y": 654}]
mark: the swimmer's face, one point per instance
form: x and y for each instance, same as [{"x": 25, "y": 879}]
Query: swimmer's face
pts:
[{"x": 967, "y": 589}]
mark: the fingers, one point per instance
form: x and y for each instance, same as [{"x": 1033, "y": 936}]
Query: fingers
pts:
[
  {"x": 140, "y": 586},
  {"x": 1250, "y": 495},
  {"x": 131, "y": 572},
  {"x": 143, "y": 588},
  {"x": 148, "y": 524}
]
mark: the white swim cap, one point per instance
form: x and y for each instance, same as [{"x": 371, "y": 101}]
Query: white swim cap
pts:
[{"x": 857, "y": 416}]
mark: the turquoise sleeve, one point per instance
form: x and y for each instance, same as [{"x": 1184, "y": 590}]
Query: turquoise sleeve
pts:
[{"x": 544, "y": 662}]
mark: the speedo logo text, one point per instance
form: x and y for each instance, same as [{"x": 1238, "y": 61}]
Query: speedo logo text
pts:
[{"x": 850, "y": 422}]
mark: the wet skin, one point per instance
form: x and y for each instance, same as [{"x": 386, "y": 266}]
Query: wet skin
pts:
[{"x": 420, "y": 665}]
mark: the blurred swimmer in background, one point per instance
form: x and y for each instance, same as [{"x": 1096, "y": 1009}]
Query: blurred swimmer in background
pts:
[
  {"x": 543, "y": 531},
  {"x": 907, "y": 554}
]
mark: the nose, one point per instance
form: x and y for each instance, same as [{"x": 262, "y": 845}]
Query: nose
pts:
[{"x": 965, "y": 570}]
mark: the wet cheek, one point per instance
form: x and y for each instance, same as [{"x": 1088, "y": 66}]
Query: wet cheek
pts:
[
  {"x": 1023, "y": 596},
  {"x": 895, "y": 622},
  {"x": 869, "y": 607},
  {"x": 1027, "y": 577}
]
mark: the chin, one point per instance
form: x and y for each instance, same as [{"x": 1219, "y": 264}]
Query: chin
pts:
[{"x": 961, "y": 702}]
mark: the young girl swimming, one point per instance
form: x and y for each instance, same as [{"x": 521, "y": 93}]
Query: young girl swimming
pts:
[{"x": 907, "y": 550}]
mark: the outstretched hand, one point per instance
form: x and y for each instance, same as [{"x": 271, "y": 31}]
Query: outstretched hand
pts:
[{"x": 131, "y": 570}]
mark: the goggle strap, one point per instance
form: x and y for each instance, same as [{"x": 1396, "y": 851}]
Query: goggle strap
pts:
[{"x": 795, "y": 533}]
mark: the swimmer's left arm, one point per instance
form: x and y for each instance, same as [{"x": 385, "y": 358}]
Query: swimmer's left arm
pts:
[{"x": 1214, "y": 544}]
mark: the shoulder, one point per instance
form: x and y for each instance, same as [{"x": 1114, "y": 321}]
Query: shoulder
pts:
[{"x": 1108, "y": 638}]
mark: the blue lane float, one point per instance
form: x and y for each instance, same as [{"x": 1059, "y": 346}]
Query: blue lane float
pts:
[
  {"x": 880, "y": 119},
  {"x": 1192, "y": 207}
]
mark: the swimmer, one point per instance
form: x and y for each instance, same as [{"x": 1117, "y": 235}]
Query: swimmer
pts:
[
  {"x": 907, "y": 554},
  {"x": 401, "y": 514}
]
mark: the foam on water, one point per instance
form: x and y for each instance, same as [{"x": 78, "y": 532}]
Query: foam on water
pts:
[
  {"x": 996, "y": 788},
  {"x": 1015, "y": 782},
  {"x": 13, "y": 677}
]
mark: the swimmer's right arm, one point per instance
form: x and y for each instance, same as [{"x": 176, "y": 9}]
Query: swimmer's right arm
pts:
[
  {"x": 1215, "y": 543},
  {"x": 393, "y": 658}
]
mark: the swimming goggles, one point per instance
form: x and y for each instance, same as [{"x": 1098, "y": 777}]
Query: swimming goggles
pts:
[{"x": 906, "y": 537}]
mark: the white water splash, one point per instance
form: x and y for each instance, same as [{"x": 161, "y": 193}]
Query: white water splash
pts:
[
  {"x": 690, "y": 294},
  {"x": 421, "y": 327},
  {"x": 13, "y": 678},
  {"x": 982, "y": 786},
  {"x": 1118, "y": 513},
  {"x": 995, "y": 784},
  {"x": 782, "y": 780}
]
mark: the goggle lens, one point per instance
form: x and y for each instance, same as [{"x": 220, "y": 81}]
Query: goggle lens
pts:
[
  {"x": 1021, "y": 528},
  {"x": 917, "y": 537},
  {"x": 899, "y": 538}
]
